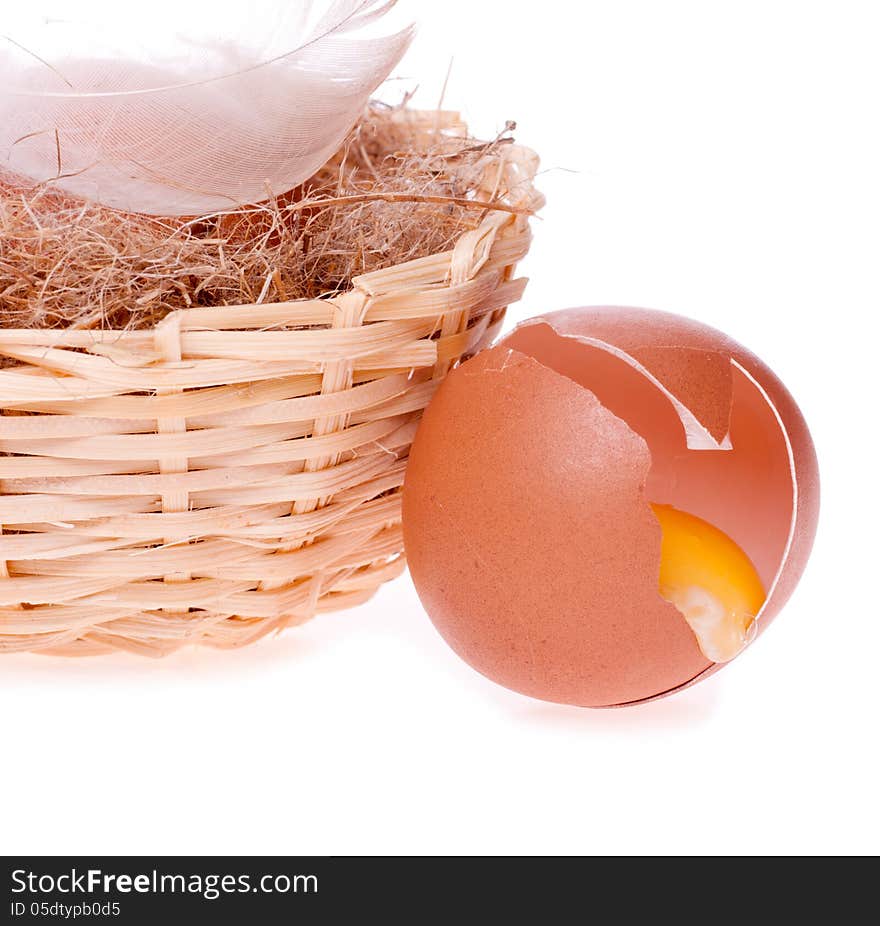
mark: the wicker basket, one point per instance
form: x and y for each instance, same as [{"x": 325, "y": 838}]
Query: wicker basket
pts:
[{"x": 234, "y": 470}]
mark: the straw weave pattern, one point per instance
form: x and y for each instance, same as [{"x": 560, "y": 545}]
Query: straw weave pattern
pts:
[{"x": 234, "y": 470}]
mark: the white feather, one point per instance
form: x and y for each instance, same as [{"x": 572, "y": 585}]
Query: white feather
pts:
[{"x": 201, "y": 114}]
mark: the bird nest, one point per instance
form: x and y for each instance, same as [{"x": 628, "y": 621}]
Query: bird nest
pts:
[{"x": 204, "y": 422}]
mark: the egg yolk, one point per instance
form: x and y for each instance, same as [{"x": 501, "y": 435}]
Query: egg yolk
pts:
[{"x": 710, "y": 580}]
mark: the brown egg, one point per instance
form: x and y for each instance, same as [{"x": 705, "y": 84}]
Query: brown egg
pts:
[{"x": 528, "y": 518}]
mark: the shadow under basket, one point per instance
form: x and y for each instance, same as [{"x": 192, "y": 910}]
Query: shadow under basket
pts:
[{"x": 234, "y": 470}]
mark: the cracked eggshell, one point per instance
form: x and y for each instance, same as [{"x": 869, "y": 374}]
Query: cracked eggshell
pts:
[
  {"x": 526, "y": 516},
  {"x": 530, "y": 542}
]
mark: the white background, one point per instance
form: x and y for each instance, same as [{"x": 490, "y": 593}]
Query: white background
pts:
[{"x": 716, "y": 159}]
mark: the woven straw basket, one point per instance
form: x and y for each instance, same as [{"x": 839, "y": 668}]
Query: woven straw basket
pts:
[{"x": 234, "y": 470}]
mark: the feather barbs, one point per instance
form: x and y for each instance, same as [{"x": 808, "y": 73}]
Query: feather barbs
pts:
[{"x": 193, "y": 125}]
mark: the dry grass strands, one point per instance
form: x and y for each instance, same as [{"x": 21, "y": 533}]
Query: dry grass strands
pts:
[
  {"x": 205, "y": 422},
  {"x": 398, "y": 189}
]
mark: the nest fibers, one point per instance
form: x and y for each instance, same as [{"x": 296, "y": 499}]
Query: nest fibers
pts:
[{"x": 381, "y": 200}]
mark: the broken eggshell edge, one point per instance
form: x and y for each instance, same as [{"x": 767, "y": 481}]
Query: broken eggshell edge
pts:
[{"x": 644, "y": 339}]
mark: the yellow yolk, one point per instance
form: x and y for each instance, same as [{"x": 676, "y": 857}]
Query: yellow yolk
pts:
[{"x": 710, "y": 580}]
